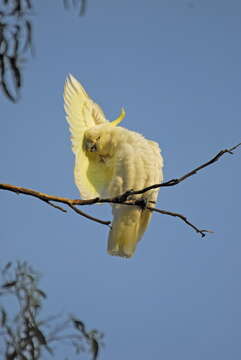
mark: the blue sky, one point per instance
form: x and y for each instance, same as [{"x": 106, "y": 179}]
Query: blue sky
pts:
[{"x": 175, "y": 67}]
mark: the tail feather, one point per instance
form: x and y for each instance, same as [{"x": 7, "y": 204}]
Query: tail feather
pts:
[
  {"x": 128, "y": 226},
  {"x": 145, "y": 219},
  {"x": 147, "y": 214},
  {"x": 124, "y": 234}
]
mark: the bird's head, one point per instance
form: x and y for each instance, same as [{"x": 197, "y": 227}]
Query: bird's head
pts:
[{"x": 98, "y": 139}]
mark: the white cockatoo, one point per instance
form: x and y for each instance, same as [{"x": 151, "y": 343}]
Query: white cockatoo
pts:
[{"x": 110, "y": 160}]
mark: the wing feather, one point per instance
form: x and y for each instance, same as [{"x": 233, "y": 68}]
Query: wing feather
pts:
[{"x": 83, "y": 113}]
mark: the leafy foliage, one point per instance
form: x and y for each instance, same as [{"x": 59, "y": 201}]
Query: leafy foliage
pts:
[
  {"x": 16, "y": 40},
  {"x": 24, "y": 335}
]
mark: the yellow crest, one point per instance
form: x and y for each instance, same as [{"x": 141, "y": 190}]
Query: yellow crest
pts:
[{"x": 119, "y": 119}]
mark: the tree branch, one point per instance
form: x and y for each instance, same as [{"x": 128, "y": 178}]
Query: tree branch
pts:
[{"x": 122, "y": 200}]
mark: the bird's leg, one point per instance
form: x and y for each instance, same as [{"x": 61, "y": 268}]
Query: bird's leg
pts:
[{"x": 144, "y": 202}]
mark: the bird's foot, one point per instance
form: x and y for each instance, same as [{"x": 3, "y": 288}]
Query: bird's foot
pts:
[
  {"x": 122, "y": 198},
  {"x": 142, "y": 203}
]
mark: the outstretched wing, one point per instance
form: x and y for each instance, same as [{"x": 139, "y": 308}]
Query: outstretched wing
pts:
[{"x": 82, "y": 113}]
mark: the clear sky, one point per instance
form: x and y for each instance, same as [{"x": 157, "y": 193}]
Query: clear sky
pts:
[{"x": 175, "y": 66}]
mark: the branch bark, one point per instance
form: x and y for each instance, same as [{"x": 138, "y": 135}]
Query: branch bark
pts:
[{"x": 122, "y": 199}]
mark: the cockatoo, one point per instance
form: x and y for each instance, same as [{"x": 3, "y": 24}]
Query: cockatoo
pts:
[{"x": 109, "y": 160}]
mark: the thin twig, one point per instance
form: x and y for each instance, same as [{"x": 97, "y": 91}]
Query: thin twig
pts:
[
  {"x": 55, "y": 206},
  {"x": 182, "y": 217},
  {"x": 88, "y": 216}
]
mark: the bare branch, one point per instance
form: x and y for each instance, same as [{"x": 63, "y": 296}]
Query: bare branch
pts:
[
  {"x": 89, "y": 216},
  {"x": 55, "y": 206},
  {"x": 122, "y": 199},
  {"x": 46, "y": 197},
  {"x": 182, "y": 217}
]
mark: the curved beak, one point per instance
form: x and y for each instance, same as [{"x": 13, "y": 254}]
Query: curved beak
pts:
[{"x": 90, "y": 146}]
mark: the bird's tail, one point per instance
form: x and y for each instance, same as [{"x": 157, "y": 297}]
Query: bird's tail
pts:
[
  {"x": 129, "y": 224},
  {"x": 145, "y": 219}
]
